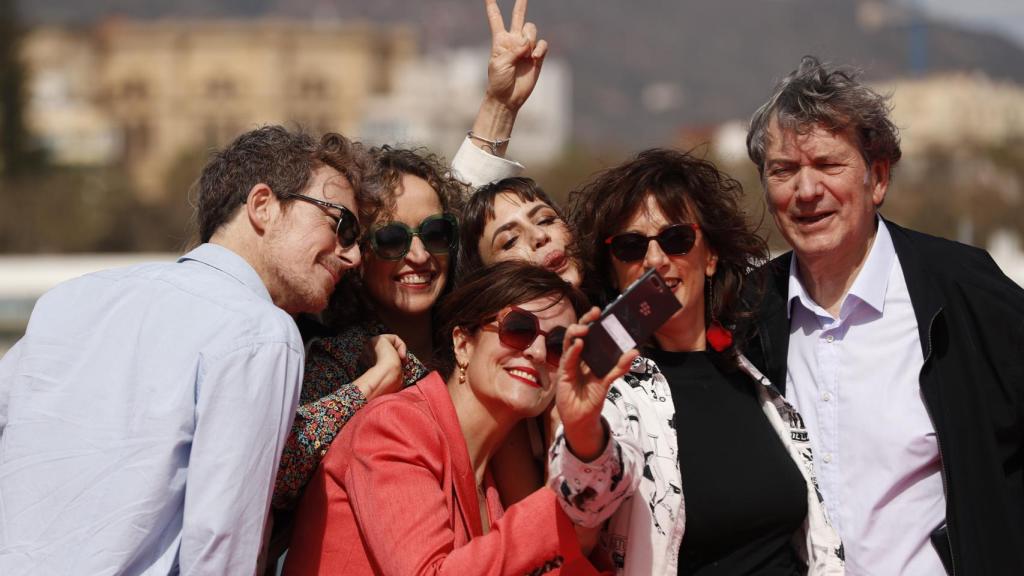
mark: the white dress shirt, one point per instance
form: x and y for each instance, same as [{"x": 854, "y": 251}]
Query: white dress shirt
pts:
[
  {"x": 855, "y": 381},
  {"x": 141, "y": 421}
]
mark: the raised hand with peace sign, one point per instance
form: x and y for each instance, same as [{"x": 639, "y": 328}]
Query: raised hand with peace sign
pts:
[{"x": 512, "y": 72}]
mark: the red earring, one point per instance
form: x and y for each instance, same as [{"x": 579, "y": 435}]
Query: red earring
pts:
[{"x": 718, "y": 336}]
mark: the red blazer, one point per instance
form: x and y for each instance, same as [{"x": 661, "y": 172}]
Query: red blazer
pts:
[{"x": 396, "y": 495}]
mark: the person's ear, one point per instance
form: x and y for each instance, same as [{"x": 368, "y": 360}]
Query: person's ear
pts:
[
  {"x": 879, "y": 184},
  {"x": 261, "y": 207},
  {"x": 463, "y": 343},
  {"x": 712, "y": 264}
]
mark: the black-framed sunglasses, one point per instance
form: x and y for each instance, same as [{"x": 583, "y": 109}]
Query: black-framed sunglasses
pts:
[
  {"x": 675, "y": 240},
  {"x": 392, "y": 240},
  {"x": 347, "y": 227},
  {"x": 518, "y": 329}
]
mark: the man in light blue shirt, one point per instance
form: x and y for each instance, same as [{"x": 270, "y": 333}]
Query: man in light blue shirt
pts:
[{"x": 143, "y": 413}]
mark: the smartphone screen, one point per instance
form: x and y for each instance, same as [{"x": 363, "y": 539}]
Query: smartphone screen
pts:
[{"x": 628, "y": 321}]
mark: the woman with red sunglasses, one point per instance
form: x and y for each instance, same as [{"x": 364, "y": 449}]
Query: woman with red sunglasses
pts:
[
  {"x": 407, "y": 489},
  {"x": 378, "y": 333},
  {"x": 717, "y": 463}
]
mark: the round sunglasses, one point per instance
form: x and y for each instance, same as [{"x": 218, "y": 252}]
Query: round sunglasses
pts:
[
  {"x": 518, "y": 329},
  {"x": 392, "y": 240},
  {"x": 347, "y": 227},
  {"x": 675, "y": 240}
]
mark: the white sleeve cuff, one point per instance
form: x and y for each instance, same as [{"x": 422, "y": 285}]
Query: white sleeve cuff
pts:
[
  {"x": 476, "y": 167},
  {"x": 589, "y": 492}
]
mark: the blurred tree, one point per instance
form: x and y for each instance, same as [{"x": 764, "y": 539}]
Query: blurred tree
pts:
[
  {"x": 96, "y": 209},
  {"x": 968, "y": 193},
  {"x": 577, "y": 164},
  {"x": 65, "y": 210},
  {"x": 14, "y": 141}
]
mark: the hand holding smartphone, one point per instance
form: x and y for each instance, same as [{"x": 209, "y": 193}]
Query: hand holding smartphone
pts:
[{"x": 629, "y": 321}]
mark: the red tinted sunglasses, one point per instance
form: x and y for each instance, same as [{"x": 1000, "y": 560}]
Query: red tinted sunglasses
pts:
[{"x": 518, "y": 329}]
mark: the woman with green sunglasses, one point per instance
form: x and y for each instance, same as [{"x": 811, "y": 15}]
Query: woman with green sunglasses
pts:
[{"x": 381, "y": 323}]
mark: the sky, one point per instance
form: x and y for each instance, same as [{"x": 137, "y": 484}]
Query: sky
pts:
[{"x": 1003, "y": 15}]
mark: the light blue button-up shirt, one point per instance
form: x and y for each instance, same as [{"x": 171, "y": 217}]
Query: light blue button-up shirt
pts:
[
  {"x": 141, "y": 421},
  {"x": 854, "y": 380}
]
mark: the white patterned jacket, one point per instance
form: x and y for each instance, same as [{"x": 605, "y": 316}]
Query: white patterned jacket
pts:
[{"x": 635, "y": 483}]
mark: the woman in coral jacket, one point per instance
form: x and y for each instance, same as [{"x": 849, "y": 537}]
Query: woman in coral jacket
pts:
[{"x": 406, "y": 489}]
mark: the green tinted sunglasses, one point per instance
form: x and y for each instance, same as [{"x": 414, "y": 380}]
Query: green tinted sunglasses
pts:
[{"x": 392, "y": 240}]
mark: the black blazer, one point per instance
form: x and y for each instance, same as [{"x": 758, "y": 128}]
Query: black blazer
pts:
[{"x": 971, "y": 322}]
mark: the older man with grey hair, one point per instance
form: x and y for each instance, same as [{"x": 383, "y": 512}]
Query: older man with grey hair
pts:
[{"x": 903, "y": 352}]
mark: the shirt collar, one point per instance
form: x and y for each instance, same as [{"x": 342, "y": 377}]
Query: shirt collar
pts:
[
  {"x": 869, "y": 287},
  {"x": 230, "y": 263}
]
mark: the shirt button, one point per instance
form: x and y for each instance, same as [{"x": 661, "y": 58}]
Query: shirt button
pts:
[
  {"x": 827, "y": 459},
  {"x": 825, "y": 397},
  {"x": 829, "y": 338}
]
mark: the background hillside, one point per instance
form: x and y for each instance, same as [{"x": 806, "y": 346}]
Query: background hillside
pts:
[{"x": 643, "y": 68}]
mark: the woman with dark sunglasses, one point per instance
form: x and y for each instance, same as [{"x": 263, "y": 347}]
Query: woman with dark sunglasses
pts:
[
  {"x": 513, "y": 219},
  {"x": 717, "y": 463},
  {"x": 406, "y": 488}
]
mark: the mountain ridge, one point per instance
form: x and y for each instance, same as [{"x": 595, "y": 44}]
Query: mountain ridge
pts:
[{"x": 643, "y": 69}]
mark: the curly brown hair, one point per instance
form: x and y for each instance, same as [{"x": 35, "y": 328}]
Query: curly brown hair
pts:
[
  {"x": 349, "y": 303},
  {"x": 686, "y": 188},
  {"x": 284, "y": 161},
  {"x": 390, "y": 164}
]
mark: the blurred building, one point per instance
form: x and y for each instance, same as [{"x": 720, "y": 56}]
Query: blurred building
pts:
[
  {"x": 144, "y": 93},
  {"x": 955, "y": 109},
  {"x": 62, "y": 111},
  {"x": 434, "y": 101}
]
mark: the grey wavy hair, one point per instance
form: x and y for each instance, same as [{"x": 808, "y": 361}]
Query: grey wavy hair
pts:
[{"x": 817, "y": 94}]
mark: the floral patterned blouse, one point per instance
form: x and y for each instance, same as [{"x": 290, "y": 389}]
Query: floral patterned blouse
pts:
[{"x": 327, "y": 401}]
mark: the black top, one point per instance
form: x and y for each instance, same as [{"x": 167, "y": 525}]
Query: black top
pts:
[{"x": 743, "y": 495}]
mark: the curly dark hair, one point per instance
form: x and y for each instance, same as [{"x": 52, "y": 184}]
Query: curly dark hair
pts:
[
  {"x": 390, "y": 164},
  {"x": 686, "y": 188},
  {"x": 284, "y": 161},
  {"x": 483, "y": 293},
  {"x": 817, "y": 94},
  {"x": 479, "y": 210},
  {"x": 350, "y": 303}
]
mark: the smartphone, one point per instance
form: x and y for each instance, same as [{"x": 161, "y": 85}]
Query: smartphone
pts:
[{"x": 629, "y": 321}]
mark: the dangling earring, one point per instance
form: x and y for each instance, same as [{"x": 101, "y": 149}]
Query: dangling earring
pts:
[
  {"x": 462, "y": 374},
  {"x": 718, "y": 336}
]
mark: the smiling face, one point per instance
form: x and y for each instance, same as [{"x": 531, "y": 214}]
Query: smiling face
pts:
[
  {"x": 528, "y": 230},
  {"x": 303, "y": 258},
  {"x": 411, "y": 285},
  {"x": 823, "y": 195},
  {"x": 685, "y": 274},
  {"x": 509, "y": 382}
]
